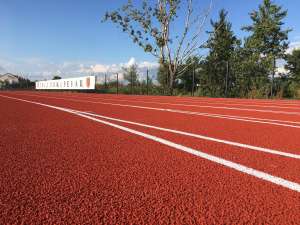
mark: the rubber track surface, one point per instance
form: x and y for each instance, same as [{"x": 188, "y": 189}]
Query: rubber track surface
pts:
[{"x": 60, "y": 168}]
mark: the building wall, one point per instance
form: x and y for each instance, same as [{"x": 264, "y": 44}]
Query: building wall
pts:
[{"x": 9, "y": 78}]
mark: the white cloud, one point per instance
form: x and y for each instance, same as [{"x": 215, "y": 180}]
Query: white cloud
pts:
[
  {"x": 281, "y": 70},
  {"x": 39, "y": 69},
  {"x": 293, "y": 45},
  {"x": 149, "y": 65},
  {"x": 131, "y": 62},
  {"x": 98, "y": 68}
]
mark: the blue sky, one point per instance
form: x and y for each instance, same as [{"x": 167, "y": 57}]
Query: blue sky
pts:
[{"x": 39, "y": 38}]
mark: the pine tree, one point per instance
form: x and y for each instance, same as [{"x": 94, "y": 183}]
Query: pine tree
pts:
[
  {"x": 293, "y": 65},
  {"x": 221, "y": 44},
  {"x": 268, "y": 38}
]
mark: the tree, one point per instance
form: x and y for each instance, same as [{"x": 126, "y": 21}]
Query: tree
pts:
[
  {"x": 250, "y": 72},
  {"x": 131, "y": 75},
  {"x": 149, "y": 27},
  {"x": 162, "y": 76},
  {"x": 56, "y": 77},
  {"x": 268, "y": 37},
  {"x": 221, "y": 44},
  {"x": 190, "y": 77},
  {"x": 2, "y": 84},
  {"x": 293, "y": 65}
]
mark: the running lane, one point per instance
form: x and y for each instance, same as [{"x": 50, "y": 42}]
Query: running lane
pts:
[
  {"x": 245, "y": 110},
  {"x": 270, "y": 104},
  {"x": 61, "y": 168},
  {"x": 246, "y": 132},
  {"x": 281, "y": 165}
]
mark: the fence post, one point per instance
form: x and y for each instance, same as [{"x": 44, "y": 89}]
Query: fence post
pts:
[
  {"x": 131, "y": 83},
  {"x": 193, "y": 85},
  {"x": 117, "y": 83},
  {"x": 227, "y": 74},
  {"x": 147, "y": 82}
]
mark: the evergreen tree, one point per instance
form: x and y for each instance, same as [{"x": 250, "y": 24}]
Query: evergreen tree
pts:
[
  {"x": 221, "y": 44},
  {"x": 268, "y": 38},
  {"x": 250, "y": 72},
  {"x": 293, "y": 65}
]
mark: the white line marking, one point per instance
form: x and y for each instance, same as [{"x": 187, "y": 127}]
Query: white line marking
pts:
[
  {"x": 260, "y": 149},
  {"x": 186, "y": 103},
  {"x": 236, "y": 166},
  {"x": 221, "y": 101},
  {"x": 258, "y": 102},
  {"x": 194, "y": 100},
  {"x": 212, "y": 114},
  {"x": 220, "y": 107},
  {"x": 205, "y": 106},
  {"x": 238, "y": 118}
]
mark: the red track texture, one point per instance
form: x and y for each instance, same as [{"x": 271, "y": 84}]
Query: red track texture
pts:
[{"x": 59, "y": 167}]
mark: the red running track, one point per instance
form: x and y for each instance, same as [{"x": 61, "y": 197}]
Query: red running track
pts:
[{"x": 62, "y": 167}]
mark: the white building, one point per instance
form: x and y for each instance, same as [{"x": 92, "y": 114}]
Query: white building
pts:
[{"x": 9, "y": 78}]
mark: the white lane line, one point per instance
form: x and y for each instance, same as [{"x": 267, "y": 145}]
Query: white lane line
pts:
[
  {"x": 236, "y": 166},
  {"x": 238, "y": 118},
  {"x": 201, "y": 106},
  {"x": 198, "y": 113},
  {"x": 194, "y": 100},
  {"x": 187, "y": 103},
  {"x": 256, "y": 148},
  {"x": 221, "y": 107}
]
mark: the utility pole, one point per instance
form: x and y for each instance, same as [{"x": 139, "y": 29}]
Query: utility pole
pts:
[
  {"x": 147, "y": 82},
  {"x": 117, "y": 83}
]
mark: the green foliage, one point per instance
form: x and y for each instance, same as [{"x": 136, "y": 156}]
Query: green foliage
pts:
[
  {"x": 193, "y": 69},
  {"x": 142, "y": 23},
  {"x": 232, "y": 68},
  {"x": 293, "y": 65},
  {"x": 131, "y": 74},
  {"x": 222, "y": 44},
  {"x": 162, "y": 75},
  {"x": 2, "y": 84},
  {"x": 250, "y": 72},
  {"x": 268, "y": 38},
  {"x": 149, "y": 25},
  {"x": 22, "y": 84}
]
